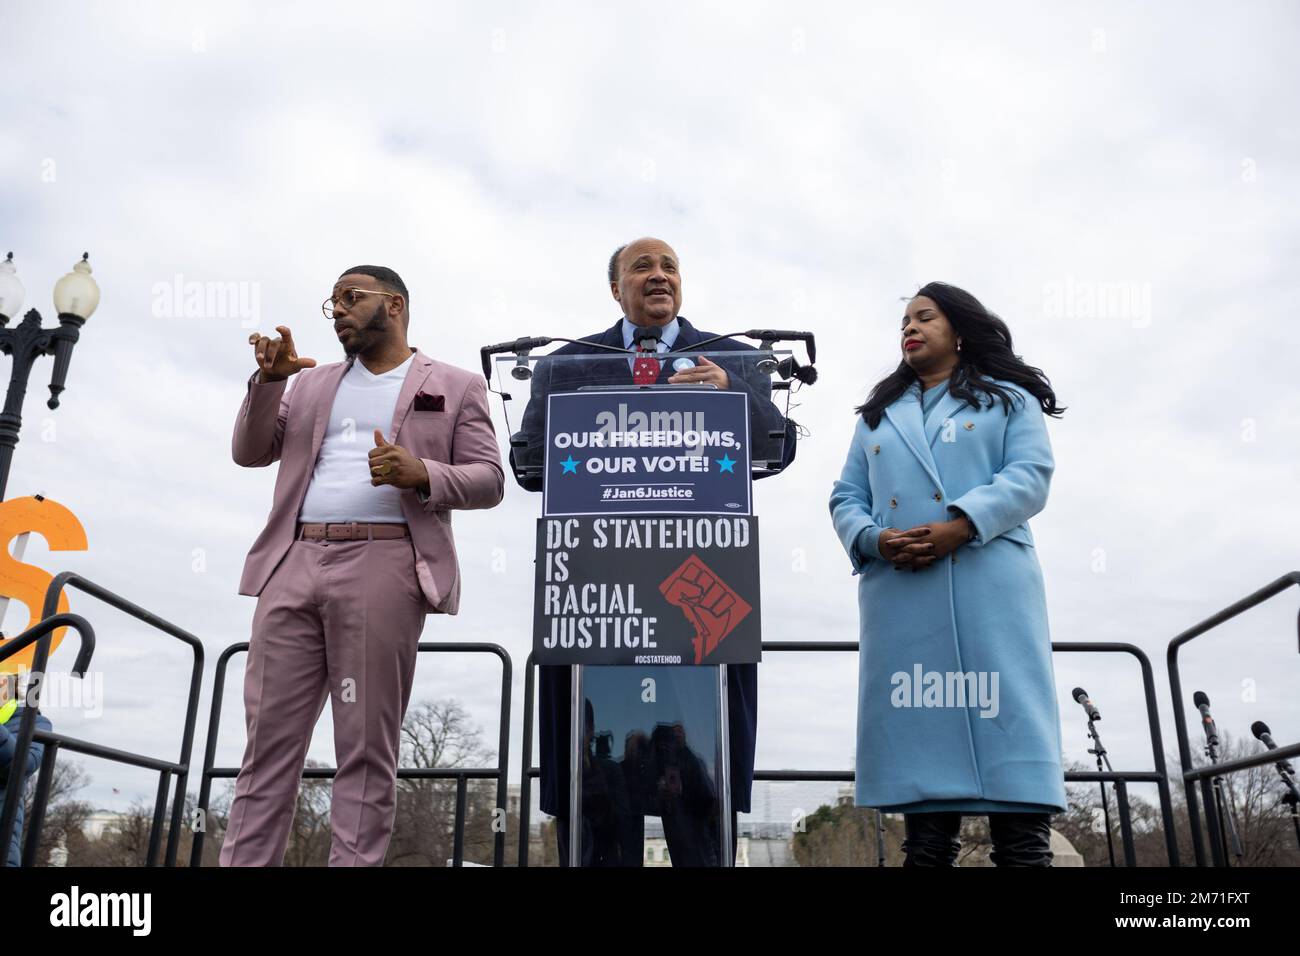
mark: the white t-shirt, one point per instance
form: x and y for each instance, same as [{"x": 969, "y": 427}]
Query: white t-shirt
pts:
[{"x": 340, "y": 488}]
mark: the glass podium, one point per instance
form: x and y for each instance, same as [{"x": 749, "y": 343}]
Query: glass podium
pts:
[
  {"x": 653, "y": 745},
  {"x": 652, "y": 741}
]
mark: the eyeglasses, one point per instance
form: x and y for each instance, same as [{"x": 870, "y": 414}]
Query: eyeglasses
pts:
[{"x": 349, "y": 298}]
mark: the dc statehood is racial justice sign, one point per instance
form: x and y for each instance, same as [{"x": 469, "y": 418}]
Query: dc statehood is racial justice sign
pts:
[{"x": 656, "y": 589}]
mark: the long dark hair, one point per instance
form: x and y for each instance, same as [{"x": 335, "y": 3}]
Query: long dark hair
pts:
[{"x": 985, "y": 355}]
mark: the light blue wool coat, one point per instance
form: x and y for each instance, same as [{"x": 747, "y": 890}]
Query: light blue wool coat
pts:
[{"x": 981, "y": 610}]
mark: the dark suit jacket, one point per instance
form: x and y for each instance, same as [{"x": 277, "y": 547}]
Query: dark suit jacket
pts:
[{"x": 742, "y": 679}]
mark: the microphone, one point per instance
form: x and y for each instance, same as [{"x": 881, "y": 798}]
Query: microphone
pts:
[
  {"x": 767, "y": 338},
  {"x": 789, "y": 368},
  {"x": 1081, "y": 698},
  {"x": 648, "y": 339},
  {"x": 518, "y": 345},
  {"x": 782, "y": 335},
  {"x": 1263, "y": 734},
  {"x": 1207, "y": 722},
  {"x": 524, "y": 345}
]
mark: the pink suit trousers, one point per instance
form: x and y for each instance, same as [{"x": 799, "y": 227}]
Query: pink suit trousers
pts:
[{"x": 338, "y": 620}]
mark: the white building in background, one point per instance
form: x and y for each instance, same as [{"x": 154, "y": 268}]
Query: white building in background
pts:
[
  {"x": 99, "y": 821},
  {"x": 656, "y": 851}
]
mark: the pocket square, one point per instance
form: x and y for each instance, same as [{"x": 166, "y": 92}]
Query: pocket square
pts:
[{"x": 424, "y": 402}]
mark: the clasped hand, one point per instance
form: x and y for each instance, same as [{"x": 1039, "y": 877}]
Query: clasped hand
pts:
[{"x": 919, "y": 547}]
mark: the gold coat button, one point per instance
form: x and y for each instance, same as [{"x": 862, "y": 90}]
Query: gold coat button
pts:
[
  {"x": 970, "y": 425},
  {"x": 938, "y": 497},
  {"x": 875, "y": 449},
  {"x": 893, "y": 502}
]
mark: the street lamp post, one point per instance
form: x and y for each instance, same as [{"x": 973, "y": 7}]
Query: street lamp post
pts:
[{"x": 75, "y": 297}]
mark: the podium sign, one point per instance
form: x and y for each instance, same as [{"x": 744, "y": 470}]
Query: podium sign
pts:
[
  {"x": 647, "y": 558},
  {"x": 647, "y": 451},
  {"x": 679, "y": 589}
]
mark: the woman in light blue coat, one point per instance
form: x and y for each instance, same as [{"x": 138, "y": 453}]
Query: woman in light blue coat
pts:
[{"x": 957, "y": 710}]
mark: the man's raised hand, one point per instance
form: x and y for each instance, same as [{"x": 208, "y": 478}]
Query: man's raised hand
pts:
[{"x": 277, "y": 358}]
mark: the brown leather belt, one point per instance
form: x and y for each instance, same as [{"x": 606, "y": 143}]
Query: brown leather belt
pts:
[{"x": 352, "y": 531}]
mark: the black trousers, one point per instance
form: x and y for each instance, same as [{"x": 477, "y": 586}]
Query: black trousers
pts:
[{"x": 1019, "y": 839}]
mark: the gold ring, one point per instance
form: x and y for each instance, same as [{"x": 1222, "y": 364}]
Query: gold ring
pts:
[{"x": 386, "y": 468}]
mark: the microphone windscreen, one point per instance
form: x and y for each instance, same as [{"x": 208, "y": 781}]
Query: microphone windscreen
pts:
[
  {"x": 1078, "y": 694},
  {"x": 1200, "y": 700},
  {"x": 1259, "y": 729}
]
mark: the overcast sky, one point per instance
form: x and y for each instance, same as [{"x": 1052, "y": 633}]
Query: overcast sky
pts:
[{"x": 1119, "y": 183}]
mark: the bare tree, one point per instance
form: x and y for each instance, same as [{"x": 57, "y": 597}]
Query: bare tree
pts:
[
  {"x": 64, "y": 816},
  {"x": 440, "y": 735},
  {"x": 1263, "y": 822}
]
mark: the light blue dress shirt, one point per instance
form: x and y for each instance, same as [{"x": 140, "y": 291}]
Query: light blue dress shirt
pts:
[{"x": 668, "y": 334}]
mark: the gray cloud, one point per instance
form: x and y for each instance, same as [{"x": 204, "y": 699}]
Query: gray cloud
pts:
[{"x": 810, "y": 165}]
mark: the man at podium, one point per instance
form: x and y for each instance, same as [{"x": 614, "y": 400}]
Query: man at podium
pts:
[{"x": 645, "y": 279}]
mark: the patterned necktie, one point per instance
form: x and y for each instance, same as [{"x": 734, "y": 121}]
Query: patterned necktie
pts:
[{"x": 645, "y": 369}]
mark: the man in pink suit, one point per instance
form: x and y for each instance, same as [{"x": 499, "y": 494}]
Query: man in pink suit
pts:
[{"x": 374, "y": 453}]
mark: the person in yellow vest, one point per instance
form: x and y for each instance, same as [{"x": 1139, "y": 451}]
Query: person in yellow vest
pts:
[{"x": 11, "y": 717}]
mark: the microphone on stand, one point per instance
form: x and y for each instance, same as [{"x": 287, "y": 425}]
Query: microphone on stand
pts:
[
  {"x": 782, "y": 335},
  {"x": 1098, "y": 750},
  {"x": 768, "y": 338},
  {"x": 1284, "y": 770},
  {"x": 521, "y": 345},
  {"x": 1263, "y": 734},
  {"x": 1081, "y": 698},
  {"x": 1202, "y": 703},
  {"x": 1227, "y": 821}
]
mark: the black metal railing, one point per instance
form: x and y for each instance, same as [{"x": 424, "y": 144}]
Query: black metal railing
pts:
[
  {"x": 462, "y": 775},
  {"x": 56, "y": 742},
  {"x": 42, "y": 634},
  {"x": 1120, "y": 778},
  {"x": 527, "y": 772},
  {"x": 1205, "y": 775}
]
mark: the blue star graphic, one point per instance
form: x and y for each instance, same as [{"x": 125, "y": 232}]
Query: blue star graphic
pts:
[
  {"x": 570, "y": 466},
  {"x": 726, "y": 464}
]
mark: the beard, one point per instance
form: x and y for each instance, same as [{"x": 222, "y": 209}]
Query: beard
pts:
[{"x": 368, "y": 332}]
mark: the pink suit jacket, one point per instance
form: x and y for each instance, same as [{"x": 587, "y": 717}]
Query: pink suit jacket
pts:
[{"x": 457, "y": 445}]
